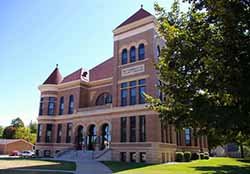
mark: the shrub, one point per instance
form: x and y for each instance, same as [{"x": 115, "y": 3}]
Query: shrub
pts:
[
  {"x": 187, "y": 156},
  {"x": 195, "y": 156},
  {"x": 202, "y": 155},
  {"x": 206, "y": 157},
  {"x": 179, "y": 156}
]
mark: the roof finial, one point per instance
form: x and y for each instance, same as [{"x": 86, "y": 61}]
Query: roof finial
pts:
[
  {"x": 56, "y": 65},
  {"x": 141, "y": 5}
]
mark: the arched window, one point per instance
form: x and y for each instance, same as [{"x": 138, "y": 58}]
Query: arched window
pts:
[
  {"x": 61, "y": 106},
  {"x": 158, "y": 51},
  {"x": 104, "y": 98},
  {"x": 132, "y": 54},
  {"x": 124, "y": 56},
  {"x": 71, "y": 104},
  {"x": 141, "y": 52}
]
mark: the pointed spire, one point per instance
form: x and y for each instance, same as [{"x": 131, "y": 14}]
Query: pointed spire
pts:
[
  {"x": 141, "y": 5},
  {"x": 55, "y": 77}
]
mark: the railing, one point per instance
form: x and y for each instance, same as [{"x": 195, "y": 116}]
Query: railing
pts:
[{"x": 107, "y": 106}]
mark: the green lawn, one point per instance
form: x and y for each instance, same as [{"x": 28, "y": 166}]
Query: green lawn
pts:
[
  {"x": 211, "y": 166},
  {"x": 9, "y": 166}
]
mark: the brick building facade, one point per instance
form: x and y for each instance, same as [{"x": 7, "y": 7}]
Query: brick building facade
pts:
[{"x": 104, "y": 108}]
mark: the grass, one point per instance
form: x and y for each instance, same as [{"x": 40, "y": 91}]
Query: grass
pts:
[
  {"x": 10, "y": 165},
  {"x": 211, "y": 166}
]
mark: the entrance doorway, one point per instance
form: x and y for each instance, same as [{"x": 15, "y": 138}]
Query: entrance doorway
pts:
[
  {"x": 92, "y": 137},
  {"x": 80, "y": 138},
  {"x": 105, "y": 136}
]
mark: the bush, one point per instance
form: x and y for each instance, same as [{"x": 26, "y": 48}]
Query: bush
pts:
[
  {"x": 202, "y": 155},
  {"x": 187, "y": 156},
  {"x": 206, "y": 157},
  {"x": 195, "y": 156},
  {"x": 179, "y": 156}
]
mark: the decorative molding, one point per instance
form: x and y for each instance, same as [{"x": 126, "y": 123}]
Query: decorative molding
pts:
[
  {"x": 135, "y": 31},
  {"x": 133, "y": 70},
  {"x": 133, "y": 78},
  {"x": 48, "y": 87}
]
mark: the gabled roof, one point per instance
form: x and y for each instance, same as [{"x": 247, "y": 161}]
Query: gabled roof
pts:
[
  {"x": 77, "y": 75},
  {"x": 54, "y": 78},
  {"x": 140, "y": 14},
  {"x": 102, "y": 71}
]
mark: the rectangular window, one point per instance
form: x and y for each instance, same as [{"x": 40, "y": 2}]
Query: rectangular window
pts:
[
  {"x": 51, "y": 106},
  {"x": 142, "y": 89},
  {"x": 124, "y": 94},
  {"x": 123, "y": 156},
  {"x": 123, "y": 129},
  {"x": 48, "y": 138},
  {"x": 142, "y": 130},
  {"x": 132, "y": 93},
  {"x": 41, "y": 106},
  {"x": 132, "y": 137},
  {"x": 39, "y": 132},
  {"x": 59, "y": 133},
  {"x": 69, "y": 133},
  {"x": 61, "y": 107},
  {"x": 188, "y": 136}
]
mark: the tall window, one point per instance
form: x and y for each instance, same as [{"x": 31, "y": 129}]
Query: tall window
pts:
[
  {"x": 39, "y": 132},
  {"x": 59, "y": 133},
  {"x": 124, "y": 94},
  {"x": 51, "y": 106},
  {"x": 41, "y": 106},
  {"x": 61, "y": 106},
  {"x": 132, "y": 93},
  {"x": 48, "y": 136},
  {"x": 123, "y": 129},
  {"x": 188, "y": 136},
  {"x": 124, "y": 56},
  {"x": 158, "y": 51},
  {"x": 142, "y": 130},
  {"x": 132, "y": 54},
  {"x": 141, "y": 52},
  {"x": 69, "y": 133},
  {"x": 71, "y": 105},
  {"x": 142, "y": 91},
  {"x": 103, "y": 99},
  {"x": 132, "y": 136}
]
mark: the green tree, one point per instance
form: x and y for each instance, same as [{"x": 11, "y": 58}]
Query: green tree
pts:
[
  {"x": 17, "y": 122},
  {"x": 33, "y": 127},
  {"x": 1, "y": 131},
  {"x": 24, "y": 133},
  {"x": 205, "y": 68},
  {"x": 9, "y": 132}
]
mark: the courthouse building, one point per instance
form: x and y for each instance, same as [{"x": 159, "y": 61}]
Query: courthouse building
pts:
[{"x": 104, "y": 109}]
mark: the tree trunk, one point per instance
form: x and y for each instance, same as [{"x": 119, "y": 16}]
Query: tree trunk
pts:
[{"x": 241, "y": 151}]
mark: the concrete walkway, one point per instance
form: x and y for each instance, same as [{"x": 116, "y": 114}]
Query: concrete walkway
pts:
[{"x": 91, "y": 167}]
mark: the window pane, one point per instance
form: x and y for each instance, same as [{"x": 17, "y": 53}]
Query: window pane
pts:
[
  {"x": 132, "y": 54},
  {"x": 124, "y": 85},
  {"x": 132, "y": 92},
  {"x": 141, "y": 94},
  {"x": 124, "y": 57},
  {"x": 141, "y": 52},
  {"x": 71, "y": 104},
  {"x": 142, "y": 82},
  {"x": 132, "y": 83},
  {"x": 124, "y": 94},
  {"x": 142, "y": 131},
  {"x": 61, "y": 109},
  {"x": 123, "y": 131},
  {"x": 188, "y": 136},
  {"x": 133, "y": 129}
]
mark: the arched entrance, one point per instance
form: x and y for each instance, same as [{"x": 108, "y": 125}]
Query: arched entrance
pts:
[
  {"x": 105, "y": 136},
  {"x": 80, "y": 138},
  {"x": 92, "y": 137}
]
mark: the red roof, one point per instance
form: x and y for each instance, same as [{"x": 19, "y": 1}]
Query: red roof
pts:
[
  {"x": 102, "y": 71},
  {"x": 140, "y": 14},
  {"x": 77, "y": 75},
  {"x": 54, "y": 78}
]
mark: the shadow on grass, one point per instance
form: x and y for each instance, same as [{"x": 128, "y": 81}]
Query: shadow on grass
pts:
[
  {"x": 244, "y": 160},
  {"x": 224, "y": 169},
  {"x": 121, "y": 166},
  {"x": 55, "y": 165}
]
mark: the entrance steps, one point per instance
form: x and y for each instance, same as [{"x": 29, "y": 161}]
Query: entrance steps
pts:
[{"x": 80, "y": 155}]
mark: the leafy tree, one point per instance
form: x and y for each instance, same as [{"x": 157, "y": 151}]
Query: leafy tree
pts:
[
  {"x": 24, "y": 133},
  {"x": 17, "y": 122},
  {"x": 205, "y": 68},
  {"x": 1, "y": 131},
  {"x": 33, "y": 127},
  {"x": 9, "y": 132}
]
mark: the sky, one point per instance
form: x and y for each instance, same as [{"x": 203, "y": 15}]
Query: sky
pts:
[{"x": 35, "y": 35}]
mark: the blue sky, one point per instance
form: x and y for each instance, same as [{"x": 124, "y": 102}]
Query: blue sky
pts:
[{"x": 35, "y": 35}]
